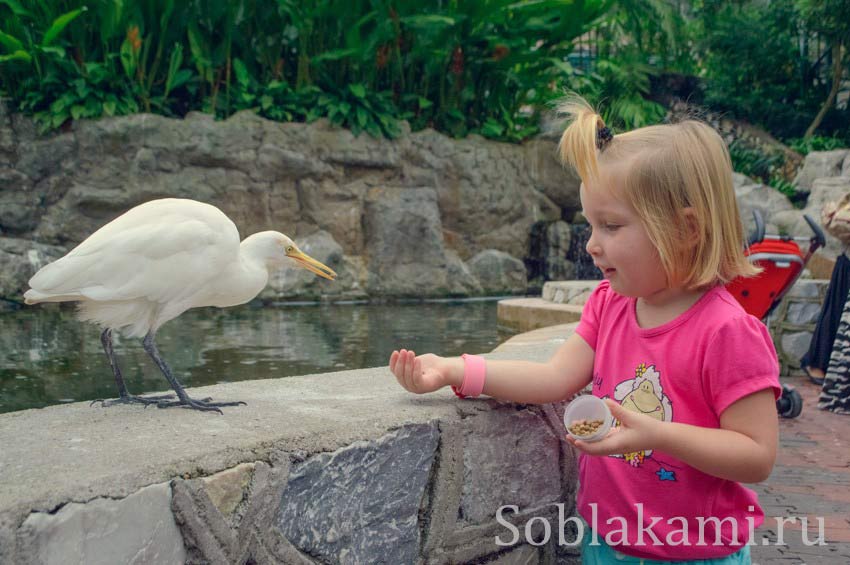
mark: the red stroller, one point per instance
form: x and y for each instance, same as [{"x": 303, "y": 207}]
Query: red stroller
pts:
[{"x": 783, "y": 261}]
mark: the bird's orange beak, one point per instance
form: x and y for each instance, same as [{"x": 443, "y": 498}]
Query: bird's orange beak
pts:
[{"x": 311, "y": 264}]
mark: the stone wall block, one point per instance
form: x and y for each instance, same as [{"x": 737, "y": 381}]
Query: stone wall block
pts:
[
  {"x": 510, "y": 457},
  {"x": 499, "y": 272},
  {"x": 820, "y": 164},
  {"x": 404, "y": 242},
  {"x": 229, "y": 517},
  {"x": 138, "y": 529},
  {"x": 19, "y": 261},
  {"x": 361, "y": 504}
]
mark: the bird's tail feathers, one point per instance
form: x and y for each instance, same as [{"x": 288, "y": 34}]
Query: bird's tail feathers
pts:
[{"x": 33, "y": 296}]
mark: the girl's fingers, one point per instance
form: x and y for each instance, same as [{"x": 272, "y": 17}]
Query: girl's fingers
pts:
[
  {"x": 399, "y": 368},
  {"x": 417, "y": 369},
  {"x": 408, "y": 368},
  {"x": 393, "y": 360}
]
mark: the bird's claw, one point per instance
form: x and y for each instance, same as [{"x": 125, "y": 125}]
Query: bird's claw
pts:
[
  {"x": 203, "y": 404},
  {"x": 130, "y": 399}
]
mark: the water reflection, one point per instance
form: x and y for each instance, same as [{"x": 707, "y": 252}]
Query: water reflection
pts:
[{"x": 48, "y": 357}]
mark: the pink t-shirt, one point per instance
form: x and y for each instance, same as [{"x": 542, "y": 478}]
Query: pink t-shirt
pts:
[{"x": 688, "y": 370}]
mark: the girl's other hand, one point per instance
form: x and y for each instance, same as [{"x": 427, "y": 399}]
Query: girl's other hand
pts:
[
  {"x": 422, "y": 374},
  {"x": 636, "y": 432}
]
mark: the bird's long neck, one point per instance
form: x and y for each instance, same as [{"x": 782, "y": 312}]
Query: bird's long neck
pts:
[{"x": 241, "y": 281}]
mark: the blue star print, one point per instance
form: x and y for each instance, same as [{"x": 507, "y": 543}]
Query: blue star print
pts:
[{"x": 665, "y": 475}]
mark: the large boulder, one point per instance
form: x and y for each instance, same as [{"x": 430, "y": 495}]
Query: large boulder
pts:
[
  {"x": 820, "y": 164},
  {"x": 404, "y": 246},
  {"x": 752, "y": 195},
  {"x": 19, "y": 261},
  {"x": 498, "y": 272},
  {"x": 824, "y": 190}
]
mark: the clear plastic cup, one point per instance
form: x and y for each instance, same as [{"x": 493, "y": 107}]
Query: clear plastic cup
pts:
[{"x": 588, "y": 407}]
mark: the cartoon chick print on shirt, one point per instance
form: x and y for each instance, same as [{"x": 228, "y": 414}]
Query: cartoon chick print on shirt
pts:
[{"x": 643, "y": 394}]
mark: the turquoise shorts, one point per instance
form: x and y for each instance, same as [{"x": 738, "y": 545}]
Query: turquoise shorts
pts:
[{"x": 604, "y": 554}]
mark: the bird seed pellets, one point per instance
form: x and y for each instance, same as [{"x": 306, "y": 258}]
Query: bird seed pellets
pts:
[{"x": 585, "y": 427}]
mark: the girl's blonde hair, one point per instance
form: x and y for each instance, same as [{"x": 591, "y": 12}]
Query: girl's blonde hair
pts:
[{"x": 665, "y": 169}]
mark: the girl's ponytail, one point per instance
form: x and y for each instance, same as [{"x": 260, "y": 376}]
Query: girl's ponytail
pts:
[{"x": 583, "y": 137}]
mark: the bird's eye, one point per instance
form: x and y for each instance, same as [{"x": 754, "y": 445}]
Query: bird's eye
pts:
[{"x": 289, "y": 249}]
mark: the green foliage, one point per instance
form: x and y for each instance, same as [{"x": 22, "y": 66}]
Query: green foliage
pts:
[
  {"x": 619, "y": 87},
  {"x": 816, "y": 143},
  {"x": 757, "y": 61},
  {"x": 477, "y": 66},
  {"x": 754, "y": 163}
]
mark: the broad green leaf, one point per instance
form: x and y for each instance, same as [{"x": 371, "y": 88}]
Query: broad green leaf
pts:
[
  {"x": 16, "y": 8},
  {"x": 16, "y": 56},
  {"x": 109, "y": 108},
  {"x": 241, "y": 72},
  {"x": 59, "y": 24},
  {"x": 362, "y": 116},
  {"x": 358, "y": 90},
  {"x": 11, "y": 43},
  {"x": 334, "y": 55},
  {"x": 128, "y": 59}
]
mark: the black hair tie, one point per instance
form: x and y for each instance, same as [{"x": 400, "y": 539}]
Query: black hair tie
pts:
[{"x": 603, "y": 137}]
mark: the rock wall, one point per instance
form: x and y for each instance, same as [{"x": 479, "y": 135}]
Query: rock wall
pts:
[
  {"x": 422, "y": 215},
  {"x": 393, "y": 218}
]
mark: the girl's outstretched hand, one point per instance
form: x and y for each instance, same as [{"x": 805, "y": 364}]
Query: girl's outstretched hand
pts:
[
  {"x": 418, "y": 374},
  {"x": 636, "y": 432}
]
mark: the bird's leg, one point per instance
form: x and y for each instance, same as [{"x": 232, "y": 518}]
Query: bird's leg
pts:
[
  {"x": 184, "y": 399},
  {"x": 124, "y": 397}
]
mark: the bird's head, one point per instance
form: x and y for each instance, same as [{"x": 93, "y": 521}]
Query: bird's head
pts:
[{"x": 276, "y": 249}]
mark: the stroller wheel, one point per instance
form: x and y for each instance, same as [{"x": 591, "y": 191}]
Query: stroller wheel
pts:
[{"x": 790, "y": 404}]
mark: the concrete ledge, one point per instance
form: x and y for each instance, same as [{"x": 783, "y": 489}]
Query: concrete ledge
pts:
[
  {"x": 344, "y": 467},
  {"x": 524, "y": 314}
]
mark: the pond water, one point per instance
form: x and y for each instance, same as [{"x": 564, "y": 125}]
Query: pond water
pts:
[{"x": 48, "y": 357}]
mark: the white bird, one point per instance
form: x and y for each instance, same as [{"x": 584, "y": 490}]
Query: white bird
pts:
[{"x": 153, "y": 263}]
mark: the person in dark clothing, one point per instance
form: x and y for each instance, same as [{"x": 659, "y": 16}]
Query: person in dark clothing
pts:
[{"x": 816, "y": 360}]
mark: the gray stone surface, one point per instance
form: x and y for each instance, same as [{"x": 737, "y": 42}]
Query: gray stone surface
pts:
[
  {"x": 361, "y": 503},
  {"x": 407, "y": 255},
  {"x": 217, "y": 533},
  {"x": 498, "y": 272},
  {"x": 820, "y": 164},
  {"x": 568, "y": 292},
  {"x": 795, "y": 344},
  {"x": 766, "y": 200},
  {"x": 803, "y": 313},
  {"x": 19, "y": 259},
  {"x": 138, "y": 529},
  {"x": 508, "y": 459},
  {"x": 823, "y": 190}
]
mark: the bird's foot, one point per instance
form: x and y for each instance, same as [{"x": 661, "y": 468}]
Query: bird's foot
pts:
[
  {"x": 130, "y": 399},
  {"x": 203, "y": 404}
]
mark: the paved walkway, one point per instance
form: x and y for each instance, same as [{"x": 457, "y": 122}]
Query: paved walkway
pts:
[{"x": 811, "y": 479}]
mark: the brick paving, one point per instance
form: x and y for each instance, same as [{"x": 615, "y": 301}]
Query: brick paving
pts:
[{"x": 811, "y": 479}]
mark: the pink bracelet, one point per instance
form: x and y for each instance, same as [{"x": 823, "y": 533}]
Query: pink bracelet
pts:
[{"x": 474, "y": 372}]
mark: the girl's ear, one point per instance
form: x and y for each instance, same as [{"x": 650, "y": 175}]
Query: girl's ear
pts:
[{"x": 691, "y": 227}]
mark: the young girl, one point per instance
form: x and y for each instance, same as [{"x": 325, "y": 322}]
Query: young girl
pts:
[{"x": 690, "y": 376}]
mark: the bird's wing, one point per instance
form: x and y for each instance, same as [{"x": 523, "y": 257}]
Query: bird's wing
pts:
[{"x": 163, "y": 254}]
